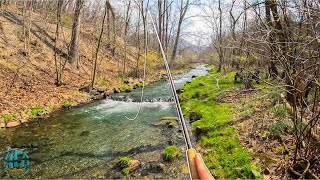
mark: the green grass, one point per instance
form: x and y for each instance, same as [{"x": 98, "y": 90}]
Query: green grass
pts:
[
  {"x": 38, "y": 110},
  {"x": 126, "y": 171},
  {"x": 279, "y": 110},
  {"x": 171, "y": 152},
  {"x": 9, "y": 117},
  {"x": 278, "y": 128},
  {"x": 123, "y": 161},
  {"x": 227, "y": 159},
  {"x": 248, "y": 113}
]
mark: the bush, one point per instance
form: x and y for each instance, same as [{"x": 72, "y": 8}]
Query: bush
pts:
[
  {"x": 123, "y": 161},
  {"x": 171, "y": 152}
]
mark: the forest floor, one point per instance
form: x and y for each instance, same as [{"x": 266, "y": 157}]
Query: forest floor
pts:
[
  {"x": 241, "y": 133},
  {"x": 27, "y": 76}
]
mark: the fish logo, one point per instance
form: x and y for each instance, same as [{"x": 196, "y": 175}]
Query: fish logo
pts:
[{"x": 16, "y": 163}]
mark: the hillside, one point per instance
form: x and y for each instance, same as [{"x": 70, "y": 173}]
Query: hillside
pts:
[{"x": 27, "y": 76}]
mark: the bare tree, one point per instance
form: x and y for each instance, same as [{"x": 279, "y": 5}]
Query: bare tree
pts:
[
  {"x": 98, "y": 46},
  {"x": 183, "y": 10},
  {"x": 74, "y": 43}
]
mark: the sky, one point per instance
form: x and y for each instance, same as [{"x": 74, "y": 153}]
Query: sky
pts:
[{"x": 196, "y": 29}]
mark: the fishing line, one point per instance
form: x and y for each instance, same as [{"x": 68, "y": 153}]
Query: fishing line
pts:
[{"x": 144, "y": 71}]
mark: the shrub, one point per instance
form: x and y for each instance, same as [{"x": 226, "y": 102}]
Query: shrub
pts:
[
  {"x": 8, "y": 117},
  {"x": 171, "y": 152},
  {"x": 123, "y": 161}
]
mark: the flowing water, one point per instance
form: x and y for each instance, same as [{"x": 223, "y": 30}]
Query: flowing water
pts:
[{"x": 79, "y": 143}]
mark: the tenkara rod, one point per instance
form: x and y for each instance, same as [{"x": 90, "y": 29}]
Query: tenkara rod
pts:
[{"x": 173, "y": 88}]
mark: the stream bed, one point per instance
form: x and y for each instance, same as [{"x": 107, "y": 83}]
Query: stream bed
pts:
[{"x": 86, "y": 142}]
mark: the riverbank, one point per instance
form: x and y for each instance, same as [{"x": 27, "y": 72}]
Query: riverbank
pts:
[
  {"x": 213, "y": 119},
  {"x": 80, "y": 95},
  {"x": 89, "y": 141}
]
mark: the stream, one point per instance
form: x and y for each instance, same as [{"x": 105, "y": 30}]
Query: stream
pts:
[{"x": 86, "y": 142}]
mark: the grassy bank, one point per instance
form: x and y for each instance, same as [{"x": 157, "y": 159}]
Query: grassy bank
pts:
[{"x": 225, "y": 157}]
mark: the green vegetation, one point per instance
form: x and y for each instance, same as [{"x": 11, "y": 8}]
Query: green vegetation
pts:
[
  {"x": 248, "y": 113},
  {"x": 278, "y": 127},
  {"x": 123, "y": 161},
  {"x": 126, "y": 88},
  {"x": 66, "y": 104},
  {"x": 279, "y": 110},
  {"x": 171, "y": 152},
  {"x": 39, "y": 110},
  {"x": 9, "y": 117},
  {"x": 126, "y": 171},
  {"x": 227, "y": 159}
]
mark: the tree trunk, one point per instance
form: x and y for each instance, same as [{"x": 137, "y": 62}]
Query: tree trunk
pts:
[
  {"x": 58, "y": 65},
  {"x": 183, "y": 11},
  {"x": 74, "y": 43},
  {"x": 221, "y": 55},
  {"x": 98, "y": 47}
]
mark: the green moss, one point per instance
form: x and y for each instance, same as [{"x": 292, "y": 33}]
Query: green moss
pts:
[
  {"x": 123, "y": 161},
  {"x": 227, "y": 159},
  {"x": 126, "y": 88},
  {"x": 140, "y": 84},
  {"x": 171, "y": 152},
  {"x": 126, "y": 171},
  {"x": 39, "y": 110}
]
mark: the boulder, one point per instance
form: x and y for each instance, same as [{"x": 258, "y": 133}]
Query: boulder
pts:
[
  {"x": 134, "y": 165},
  {"x": 94, "y": 92},
  {"x": 101, "y": 89},
  {"x": 193, "y": 76},
  {"x": 12, "y": 124},
  {"x": 2, "y": 125},
  {"x": 194, "y": 116}
]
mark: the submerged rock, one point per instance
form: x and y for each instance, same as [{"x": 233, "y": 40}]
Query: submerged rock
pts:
[
  {"x": 134, "y": 165},
  {"x": 154, "y": 167}
]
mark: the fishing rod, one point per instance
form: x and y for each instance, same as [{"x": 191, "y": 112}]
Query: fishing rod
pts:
[{"x": 197, "y": 168}]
